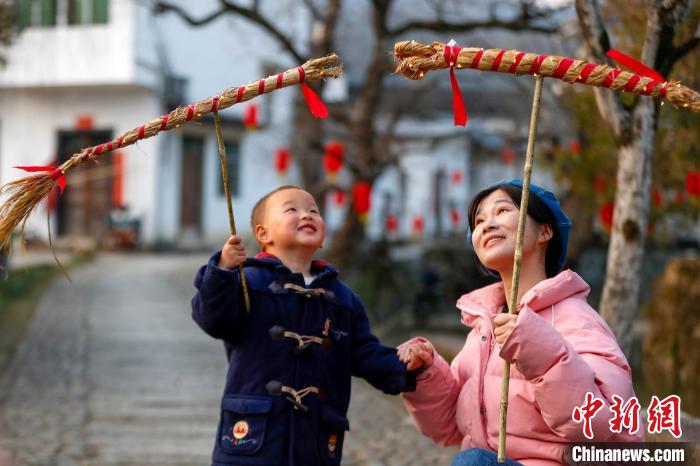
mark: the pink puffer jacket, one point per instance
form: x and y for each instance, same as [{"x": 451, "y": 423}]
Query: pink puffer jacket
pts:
[{"x": 560, "y": 349}]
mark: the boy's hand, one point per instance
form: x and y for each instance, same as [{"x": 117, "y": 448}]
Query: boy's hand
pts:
[
  {"x": 505, "y": 323},
  {"x": 416, "y": 353},
  {"x": 232, "y": 254}
]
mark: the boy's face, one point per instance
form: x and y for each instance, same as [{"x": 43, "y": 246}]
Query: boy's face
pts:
[{"x": 291, "y": 220}]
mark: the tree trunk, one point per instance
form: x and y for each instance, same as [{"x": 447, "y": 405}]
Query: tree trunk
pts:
[{"x": 620, "y": 300}]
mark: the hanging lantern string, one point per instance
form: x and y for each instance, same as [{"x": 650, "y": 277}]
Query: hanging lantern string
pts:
[
  {"x": 23, "y": 195},
  {"x": 416, "y": 59}
]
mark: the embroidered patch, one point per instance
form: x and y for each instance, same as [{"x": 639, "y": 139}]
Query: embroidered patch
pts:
[
  {"x": 332, "y": 441},
  {"x": 240, "y": 429}
]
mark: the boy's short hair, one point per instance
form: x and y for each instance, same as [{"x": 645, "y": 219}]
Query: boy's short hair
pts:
[{"x": 258, "y": 213}]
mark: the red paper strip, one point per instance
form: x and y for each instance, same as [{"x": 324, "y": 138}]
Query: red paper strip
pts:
[
  {"x": 460, "y": 111},
  {"x": 56, "y": 173}
]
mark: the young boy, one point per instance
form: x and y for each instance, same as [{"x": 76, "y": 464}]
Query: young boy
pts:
[{"x": 290, "y": 358}]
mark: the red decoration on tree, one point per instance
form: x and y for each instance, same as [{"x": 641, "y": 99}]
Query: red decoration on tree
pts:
[
  {"x": 656, "y": 198},
  {"x": 575, "y": 147},
  {"x": 457, "y": 176},
  {"x": 418, "y": 224},
  {"x": 455, "y": 217},
  {"x": 339, "y": 197},
  {"x": 361, "y": 194},
  {"x": 250, "y": 116},
  {"x": 333, "y": 158},
  {"x": 507, "y": 156},
  {"x": 692, "y": 183},
  {"x": 282, "y": 161},
  {"x": 680, "y": 197},
  {"x": 606, "y": 214},
  {"x": 392, "y": 223}
]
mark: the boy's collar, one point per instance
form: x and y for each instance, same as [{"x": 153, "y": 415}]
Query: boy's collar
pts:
[{"x": 316, "y": 265}]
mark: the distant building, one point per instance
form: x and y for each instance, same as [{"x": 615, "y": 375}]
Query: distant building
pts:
[{"x": 81, "y": 73}]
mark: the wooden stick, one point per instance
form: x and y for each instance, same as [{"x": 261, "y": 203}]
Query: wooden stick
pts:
[
  {"x": 512, "y": 304},
  {"x": 229, "y": 202}
]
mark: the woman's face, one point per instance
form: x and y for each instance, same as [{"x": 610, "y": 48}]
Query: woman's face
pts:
[{"x": 496, "y": 229}]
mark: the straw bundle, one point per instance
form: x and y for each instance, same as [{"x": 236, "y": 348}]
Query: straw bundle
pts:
[
  {"x": 23, "y": 195},
  {"x": 416, "y": 59}
]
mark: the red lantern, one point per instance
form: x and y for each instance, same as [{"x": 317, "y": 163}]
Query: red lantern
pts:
[
  {"x": 606, "y": 214},
  {"x": 418, "y": 224},
  {"x": 457, "y": 176},
  {"x": 361, "y": 194},
  {"x": 507, "y": 156},
  {"x": 282, "y": 161},
  {"x": 575, "y": 147},
  {"x": 339, "y": 197},
  {"x": 250, "y": 116},
  {"x": 392, "y": 223},
  {"x": 656, "y": 198},
  {"x": 333, "y": 158},
  {"x": 692, "y": 183}
]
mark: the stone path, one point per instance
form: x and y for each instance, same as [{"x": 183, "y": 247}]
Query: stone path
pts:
[{"x": 114, "y": 372}]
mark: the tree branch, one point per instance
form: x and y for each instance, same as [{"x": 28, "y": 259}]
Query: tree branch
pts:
[
  {"x": 678, "y": 53},
  {"x": 229, "y": 7},
  {"x": 445, "y": 26},
  {"x": 598, "y": 41}
]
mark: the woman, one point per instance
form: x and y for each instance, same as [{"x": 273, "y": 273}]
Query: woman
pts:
[{"x": 559, "y": 347}]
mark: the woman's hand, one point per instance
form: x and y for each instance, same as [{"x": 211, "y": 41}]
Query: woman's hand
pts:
[
  {"x": 232, "y": 254},
  {"x": 416, "y": 353},
  {"x": 505, "y": 323}
]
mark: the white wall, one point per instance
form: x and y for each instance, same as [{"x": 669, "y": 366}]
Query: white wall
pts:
[
  {"x": 30, "y": 137},
  {"x": 63, "y": 55}
]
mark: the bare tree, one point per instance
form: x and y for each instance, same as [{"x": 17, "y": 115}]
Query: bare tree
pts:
[
  {"x": 634, "y": 129},
  {"x": 369, "y": 154},
  {"x": 7, "y": 32}
]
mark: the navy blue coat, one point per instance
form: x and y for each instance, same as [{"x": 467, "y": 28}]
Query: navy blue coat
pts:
[{"x": 258, "y": 424}]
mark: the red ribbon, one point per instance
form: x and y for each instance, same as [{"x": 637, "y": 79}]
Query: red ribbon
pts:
[
  {"x": 56, "y": 173},
  {"x": 460, "y": 110},
  {"x": 639, "y": 68},
  {"x": 316, "y": 105}
]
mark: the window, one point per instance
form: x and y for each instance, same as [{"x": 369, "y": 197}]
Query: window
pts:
[
  {"x": 53, "y": 12},
  {"x": 35, "y": 13},
  {"x": 87, "y": 11},
  {"x": 233, "y": 168}
]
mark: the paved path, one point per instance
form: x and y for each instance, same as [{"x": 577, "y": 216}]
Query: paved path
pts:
[{"x": 114, "y": 372}]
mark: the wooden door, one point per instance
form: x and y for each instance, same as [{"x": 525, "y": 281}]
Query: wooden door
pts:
[{"x": 84, "y": 207}]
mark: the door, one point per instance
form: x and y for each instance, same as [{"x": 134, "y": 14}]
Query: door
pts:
[
  {"x": 83, "y": 209},
  {"x": 191, "y": 187}
]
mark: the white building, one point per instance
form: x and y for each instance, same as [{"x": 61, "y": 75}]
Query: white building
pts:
[{"x": 79, "y": 77}]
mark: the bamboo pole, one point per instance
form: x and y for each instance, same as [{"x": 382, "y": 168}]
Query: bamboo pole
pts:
[
  {"x": 512, "y": 303},
  {"x": 229, "y": 202}
]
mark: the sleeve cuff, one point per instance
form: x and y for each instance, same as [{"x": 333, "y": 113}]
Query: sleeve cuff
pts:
[{"x": 534, "y": 346}]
